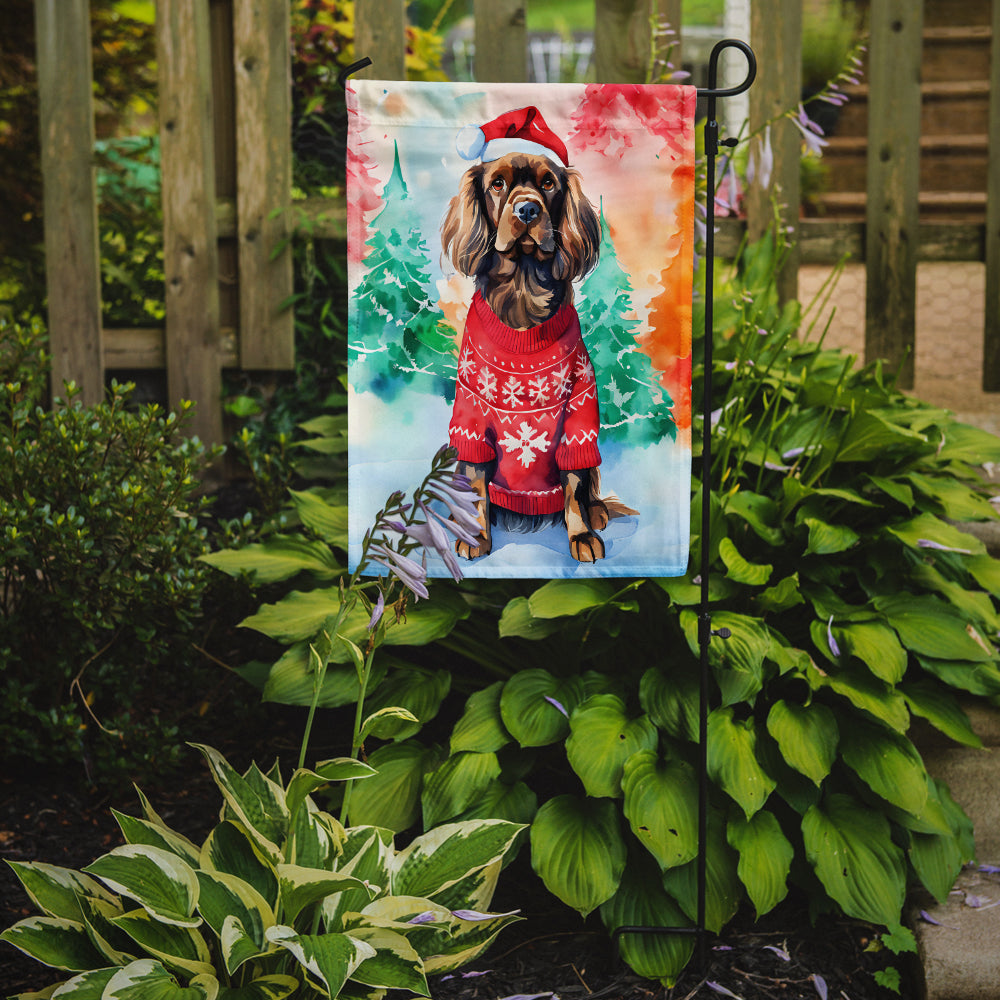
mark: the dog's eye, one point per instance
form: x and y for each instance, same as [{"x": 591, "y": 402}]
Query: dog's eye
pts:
[
  {"x": 498, "y": 184},
  {"x": 548, "y": 184}
]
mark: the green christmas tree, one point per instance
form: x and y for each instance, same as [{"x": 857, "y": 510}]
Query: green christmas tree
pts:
[
  {"x": 633, "y": 404},
  {"x": 398, "y": 337}
]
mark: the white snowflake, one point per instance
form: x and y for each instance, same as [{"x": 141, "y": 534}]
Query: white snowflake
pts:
[
  {"x": 584, "y": 369},
  {"x": 562, "y": 381},
  {"x": 539, "y": 390},
  {"x": 487, "y": 384},
  {"x": 512, "y": 391},
  {"x": 527, "y": 442},
  {"x": 466, "y": 366}
]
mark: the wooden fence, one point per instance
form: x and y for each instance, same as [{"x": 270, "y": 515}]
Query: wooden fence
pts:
[{"x": 226, "y": 161}]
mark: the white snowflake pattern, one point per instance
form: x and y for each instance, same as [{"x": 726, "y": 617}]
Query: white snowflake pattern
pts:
[
  {"x": 466, "y": 366},
  {"x": 487, "y": 384},
  {"x": 584, "y": 369},
  {"x": 512, "y": 391},
  {"x": 562, "y": 381},
  {"x": 539, "y": 390},
  {"x": 528, "y": 442}
]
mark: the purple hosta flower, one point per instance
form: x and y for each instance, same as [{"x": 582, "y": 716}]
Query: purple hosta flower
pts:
[
  {"x": 465, "y": 975},
  {"x": 727, "y": 198},
  {"x": 558, "y": 705},
  {"x": 475, "y": 915},
  {"x": 928, "y": 543},
  {"x": 531, "y": 996},
  {"x": 812, "y": 134},
  {"x": 820, "y": 983},
  {"x": 427, "y": 917},
  {"x": 761, "y": 163},
  {"x": 780, "y": 952},
  {"x": 411, "y": 574},
  {"x": 792, "y": 453},
  {"x": 834, "y": 648},
  {"x": 719, "y": 988},
  {"x": 460, "y": 499},
  {"x": 990, "y": 869},
  {"x": 927, "y": 918},
  {"x": 377, "y": 611},
  {"x": 431, "y": 535}
]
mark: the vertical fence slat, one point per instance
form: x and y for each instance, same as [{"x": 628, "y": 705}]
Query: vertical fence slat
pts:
[
  {"x": 991, "y": 332},
  {"x": 72, "y": 257},
  {"x": 621, "y": 40},
  {"x": 776, "y": 35},
  {"x": 893, "y": 183},
  {"x": 190, "y": 253},
  {"x": 261, "y": 56},
  {"x": 668, "y": 13},
  {"x": 501, "y": 41},
  {"x": 380, "y": 34}
]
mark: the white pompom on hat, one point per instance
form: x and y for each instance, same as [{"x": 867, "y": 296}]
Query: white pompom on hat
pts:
[{"x": 520, "y": 131}]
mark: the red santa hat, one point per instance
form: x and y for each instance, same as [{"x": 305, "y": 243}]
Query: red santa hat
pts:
[{"x": 520, "y": 131}]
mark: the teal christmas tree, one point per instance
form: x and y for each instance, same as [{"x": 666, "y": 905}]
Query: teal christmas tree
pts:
[
  {"x": 398, "y": 336},
  {"x": 633, "y": 404}
]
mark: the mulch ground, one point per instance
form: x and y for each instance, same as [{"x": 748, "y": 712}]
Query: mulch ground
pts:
[{"x": 550, "y": 953}]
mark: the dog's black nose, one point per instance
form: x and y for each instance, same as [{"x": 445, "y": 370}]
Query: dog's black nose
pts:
[{"x": 527, "y": 211}]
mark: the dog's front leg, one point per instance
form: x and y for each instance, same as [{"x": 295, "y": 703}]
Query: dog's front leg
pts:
[
  {"x": 584, "y": 545},
  {"x": 478, "y": 476}
]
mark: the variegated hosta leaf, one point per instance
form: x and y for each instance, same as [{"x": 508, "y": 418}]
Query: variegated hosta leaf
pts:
[
  {"x": 765, "y": 858},
  {"x": 850, "y": 847},
  {"x": 475, "y": 891},
  {"x": 116, "y": 946},
  {"x": 441, "y": 857},
  {"x": 661, "y": 800},
  {"x": 230, "y": 849},
  {"x": 304, "y": 782},
  {"x": 149, "y": 980},
  {"x": 732, "y": 760},
  {"x": 141, "y": 831},
  {"x": 86, "y": 986},
  {"x": 807, "y": 736},
  {"x": 177, "y": 947},
  {"x": 256, "y": 801},
  {"x": 300, "y": 887},
  {"x": 329, "y": 959},
  {"x": 602, "y": 737},
  {"x": 276, "y": 987},
  {"x": 468, "y": 939},
  {"x": 315, "y": 838},
  {"x": 54, "y": 941},
  {"x": 56, "y": 891},
  {"x": 158, "y": 880},
  {"x": 642, "y": 902},
  {"x": 456, "y": 784},
  {"x": 238, "y": 944},
  {"x": 578, "y": 851},
  {"x": 225, "y": 897},
  {"x": 395, "y": 964},
  {"x": 481, "y": 727},
  {"x": 367, "y": 853}
]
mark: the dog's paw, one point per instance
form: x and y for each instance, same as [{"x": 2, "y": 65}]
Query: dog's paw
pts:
[
  {"x": 597, "y": 514},
  {"x": 467, "y": 551},
  {"x": 586, "y": 548}
]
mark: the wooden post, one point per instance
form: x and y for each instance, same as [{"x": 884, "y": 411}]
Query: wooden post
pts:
[
  {"x": 262, "y": 60},
  {"x": 776, "y": 35},
  {"x": 190, "y": 254},
  {"x": 991, "y": 333},
  {"x": 380, "y": 34},
  {"x": 72, "y": 255},
  {"x": 893, "y": 183},
  {"x": 501, "y": 41},
  {"x": 621, "y": 40}
]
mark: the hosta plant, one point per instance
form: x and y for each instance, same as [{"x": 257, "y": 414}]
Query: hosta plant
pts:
[{"x": 279, "y": 900}]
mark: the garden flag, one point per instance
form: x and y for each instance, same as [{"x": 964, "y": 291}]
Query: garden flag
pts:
[{"x": 520, "y": 276}]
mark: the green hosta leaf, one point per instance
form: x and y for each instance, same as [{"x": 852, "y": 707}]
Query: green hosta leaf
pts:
[
  {"x": 559, "y": 598},
  {"x": 641, "y": 901},
  {"x": 738, "y": 661},
  {"x": 147, "y": 979},
  {"x": 141, "y": 831},
  {"x": 578, "y": 851},
  {"x": 481, "y": 728},
  {"x": 723, "y": 889},
  {"x": 517, "y": 620},
  {"x": 941, "y": 709},
  {"x": 850, "y": 847},
  {"x": 682, "y": 591},
  {"x": 893, "y": 488},
  {"x": 807, "y": 736},
  {"x": 535, "y": 706},
  {"x": 292, "y": 681},
  {"x": 418, "y": 691},
  {"x": 888, "y": 763},
  {"x": 230, "y": 849},
  {"x": 260, "y": 809},
  {"x": 876, "y": 646},
  {"x": 931, "y": 628},
  {"x": 783, "y": 595},
  {"x": 274, "y": 987},
  {"x": 56, "y": 891},
  {"x": 765, "y": 858},
  {"x": 865, "y": 692},
  {"x": 516, "y": 803},
  {"x": 180, "y": 948},
  {"x": 386, "y": 723},
  {"x": 957, "y": 501},
  {"x": 976, "y": 678},
  {"x": 937, "y": 860},
  {"x": 928, "y": 528},
  {"x": 304, "y": 782},
  {"x": 301, "y": 887},
  {"x": 828, "y": 539},
  {"x": 54, "y": 941},
  {"x": 602, "y": 738},
  {"x": 739, "y": 569},
  {"x": 671, "y": 700},
  {"x": 330, "y": 959},
  {"x": 965, "y": 443},
  {"x": 975, "y": 605},
  {"x": 986, "y": 571},
  {"x": 159, "y": 881},
  {"x": 758, "y": 511},
  {"x": 395, "y": 964},
  {"x": 661, "y": 798},
  {"x": 438, "y": 859},
  {"x": 225, "y": 897},
  {"x": 732, "y": 760},
  {"x": 327, "y": 520},
  {"x": 456, "y": 784},
  {"x": 279, "y": 558},
  {"x": 391, "y": 798},
  {"x": 870, "y": 435}
]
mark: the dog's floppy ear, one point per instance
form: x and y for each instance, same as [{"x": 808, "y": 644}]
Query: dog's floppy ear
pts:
[
  {"x": 465, "y": 232},
  {"x": 580, "y": 233}
]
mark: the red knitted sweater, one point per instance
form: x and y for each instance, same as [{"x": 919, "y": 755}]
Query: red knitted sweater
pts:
[{"x": 528, "y": 399}]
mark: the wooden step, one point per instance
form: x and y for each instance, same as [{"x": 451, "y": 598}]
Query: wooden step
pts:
[
  {"x": 956, "y": 53},
  {"x": 958, "y": 206}
]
